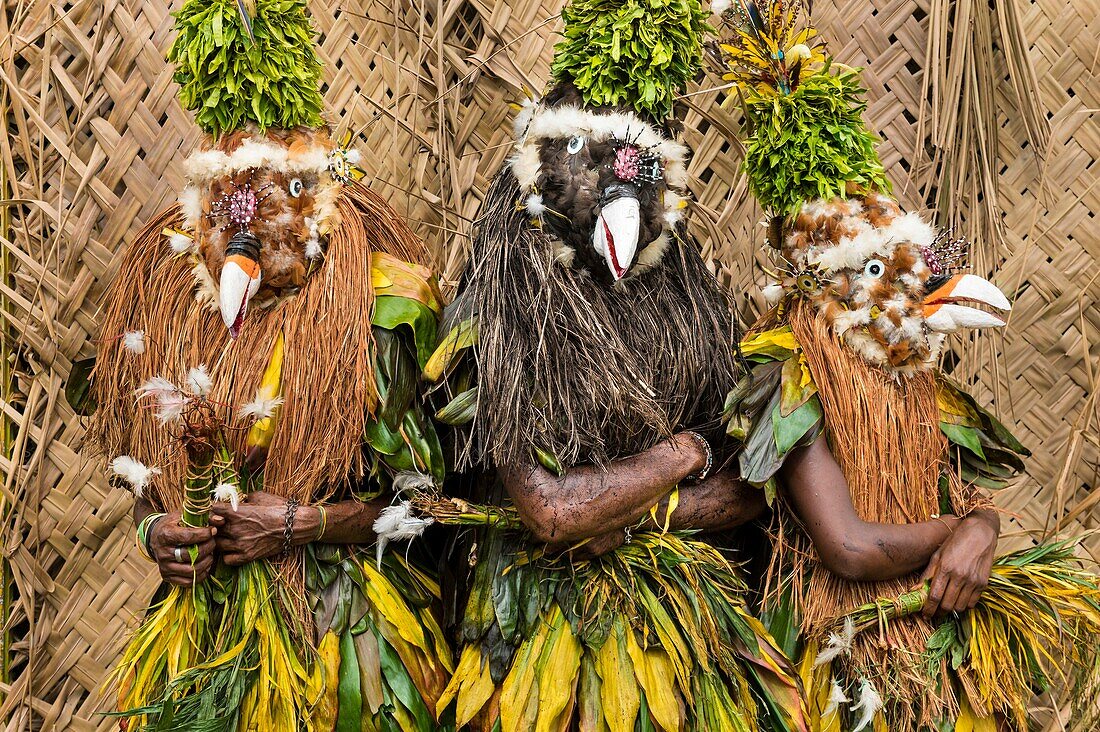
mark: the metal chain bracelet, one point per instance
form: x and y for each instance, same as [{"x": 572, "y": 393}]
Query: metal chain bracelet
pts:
[
  {"x": 702, "y": 442},
  {"x": 288, "y": 530}
]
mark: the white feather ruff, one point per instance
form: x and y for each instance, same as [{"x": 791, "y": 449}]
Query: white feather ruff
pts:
[
  {"x": 137, "y": 474},
  {"x": 206, "y": 165},
  {"x": 396, "y": 523},
  {"x": 134, "y": 341},
  {"x": 181, "y": 243}
]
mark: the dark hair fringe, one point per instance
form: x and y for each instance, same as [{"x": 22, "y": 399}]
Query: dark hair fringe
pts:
[{"x": 564, "y": 362}]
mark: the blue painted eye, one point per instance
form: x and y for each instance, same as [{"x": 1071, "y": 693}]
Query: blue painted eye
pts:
[
  {"x": 295, "y": 187},
  {"x": 575, "y": 145},
  {"x": 874, "y": 268}
]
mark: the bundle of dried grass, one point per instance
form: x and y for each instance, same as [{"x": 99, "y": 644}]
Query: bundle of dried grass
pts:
[
  {"x": 328, "y": 380},
  {"x": 584, "y": 371}
]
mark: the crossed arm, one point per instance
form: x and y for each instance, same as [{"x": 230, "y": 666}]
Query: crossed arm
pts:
[
  {"x": 955, "y": 554},
  {"x": 593, "y": 502}
]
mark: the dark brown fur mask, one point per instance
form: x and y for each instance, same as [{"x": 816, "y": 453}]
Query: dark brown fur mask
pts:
[
  {"x": 259, "y": 208},
  {"x": 604, "y": 183}
]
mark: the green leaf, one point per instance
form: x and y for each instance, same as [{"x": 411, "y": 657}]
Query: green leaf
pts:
[
  {"x": 349, "y": 697},
  {"x": 78, "y": 387},
  {"x": 391, "y": 311},
  {"x": 793, "y": 429},
  {"x": 963, "y": 436}
]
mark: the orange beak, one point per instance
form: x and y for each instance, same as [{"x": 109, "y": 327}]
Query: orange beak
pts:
[{"x": 944, "y": 313}]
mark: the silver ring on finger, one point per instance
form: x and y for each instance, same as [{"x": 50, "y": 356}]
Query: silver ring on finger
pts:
[{"x": 178, "y": 553}]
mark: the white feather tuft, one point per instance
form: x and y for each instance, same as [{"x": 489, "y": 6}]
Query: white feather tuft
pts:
[
  {"x": 199, "y": 382},
  {"x": 313, "y": 248},
  {"x": 412, "y": 480},
  {"x": 170, "y": 400},
  {"x": 262, "y": 407},
  {"x": 772, "y": 293},
  {"x": 180, "y": 243},
  {"x": 134, "y": 341},
  {"x": 837, "y": 644},
  {"x": 836, "y": 698},
  {"x": 228, "y": 493},
  {"x": 137, "y": 474},
  {"x": 535, "y": 205},
  {"x": 719, "y": 7},
  {"x": 867, "y": 706},
  {"x": 396, "y": 523}
]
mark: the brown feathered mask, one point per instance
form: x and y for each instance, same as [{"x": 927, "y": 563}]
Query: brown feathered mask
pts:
[
  {"x": 884, "y": 280},
  {"x": 607, "y": 185},
  {"x": 258, "y": 209}
]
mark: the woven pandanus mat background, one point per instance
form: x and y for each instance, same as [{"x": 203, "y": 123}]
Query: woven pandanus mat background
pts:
[{"x": 988, "y": 113}]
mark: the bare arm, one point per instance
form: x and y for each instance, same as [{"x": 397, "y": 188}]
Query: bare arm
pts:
[
  {"x": 256, "y": 529},
  {"x": 722, "y": 501},
  {"x": 590, "y": 501},
  {"x": 850, "y": 547}
]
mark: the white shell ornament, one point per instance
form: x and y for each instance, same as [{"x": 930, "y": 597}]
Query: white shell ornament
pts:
[{"x": 295, "y": 187}]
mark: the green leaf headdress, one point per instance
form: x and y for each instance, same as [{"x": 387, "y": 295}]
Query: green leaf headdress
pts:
[
  {"x": 247, "y": 61},
  {"x": 806, "y": 138},
  {"x": 638, "y": 53}
]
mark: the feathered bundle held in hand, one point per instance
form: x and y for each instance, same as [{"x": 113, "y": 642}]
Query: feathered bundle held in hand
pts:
[{"x": 584, "y": 371}]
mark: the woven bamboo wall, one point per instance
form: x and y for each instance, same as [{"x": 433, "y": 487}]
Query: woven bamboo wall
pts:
[{"x": 1002, "y": 134}]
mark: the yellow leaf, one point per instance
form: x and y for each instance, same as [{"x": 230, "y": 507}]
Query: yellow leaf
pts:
[
  {"x": 518, "y": 705},
  {"x": 618, "y": 688},
  {"x": 471, "y": 683},
  {"x": 653, "y": 669},
  {"x": 777, "y": 337},
  {"x": 460, "y": 337},
  {"x": 557, "y": 684},
  {"x": 271, "y": 387},
  {"x": 393, "y": 276}
]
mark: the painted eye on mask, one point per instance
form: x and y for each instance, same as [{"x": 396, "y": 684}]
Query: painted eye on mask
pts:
[
  {"x": 874, "y": 268},
  {"x": 575, "y": 145},
  {"x": 295, "y": 187}
]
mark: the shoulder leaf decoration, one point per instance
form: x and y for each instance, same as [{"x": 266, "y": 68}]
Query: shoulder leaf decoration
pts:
[
  {"x": 983, "y": 451},
  {"x": 634, "y": 52},
  {"x": 775, "y": 408},
  {"x": 229, "y": 80}
]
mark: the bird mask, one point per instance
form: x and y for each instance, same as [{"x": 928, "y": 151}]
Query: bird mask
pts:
[
  {"x": 605, "y": 184},
  {"x": 885, "y": 282},
  {"x": 258, "y": 208}
]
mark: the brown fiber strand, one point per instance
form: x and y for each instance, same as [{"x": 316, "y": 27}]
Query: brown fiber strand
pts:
[
  {"x": 328, "y": 381},
  {"x": 884, "y": 434}
]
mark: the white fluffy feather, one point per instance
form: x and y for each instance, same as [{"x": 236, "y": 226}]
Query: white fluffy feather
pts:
[
  {"x": 262, "y": 407},
  {"x": 170, "y": 400},
  {"x": 396, "y": 523},
  {"x": 837, "y": 644},
  {"x": 836, "y": 698},
  {"x": 190, "y": 200},
  {"x": 867, "y": 706},
  {"x": 134, "y": 341},
  {"x": 137, "y": 474},
  {"x": 535, "y": 205},
  {"x": 181, "y": 243},
  {"x": 228, "y": 493},
  {"x": 719, "y": 7},
  {"x": 199, "y": 382}
]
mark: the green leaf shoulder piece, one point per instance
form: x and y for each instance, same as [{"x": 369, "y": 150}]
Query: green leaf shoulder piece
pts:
[
  {"x": 983, "y": 451},
  {"x": 775, "y": 407},
  {"x": 405, "y": 320}
]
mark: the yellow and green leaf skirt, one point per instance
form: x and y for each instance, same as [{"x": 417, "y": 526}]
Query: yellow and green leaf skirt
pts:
[{"x": 651, "y": 636}]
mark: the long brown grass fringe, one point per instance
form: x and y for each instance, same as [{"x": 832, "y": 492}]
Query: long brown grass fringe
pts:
[
  {"x": 328, "y": 378},
  {"x": 582, "y": 370},
  {"x": 884, "y": 434}
]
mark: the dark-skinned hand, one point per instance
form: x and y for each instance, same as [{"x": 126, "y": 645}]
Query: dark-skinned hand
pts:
[
  {"x": 959, "y": 570},
  {"x": 169, "y": 533},
  {"x": 255, "y": 530}
]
